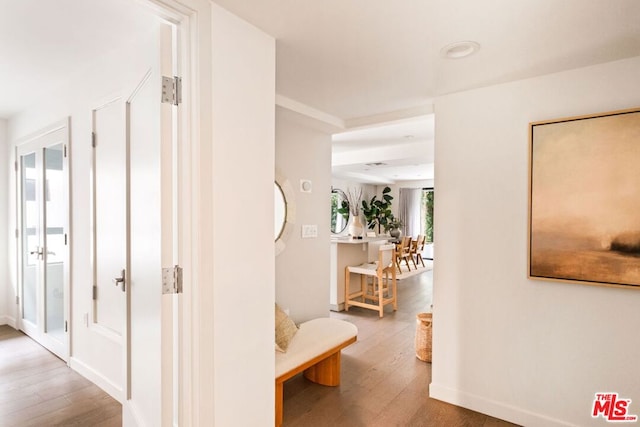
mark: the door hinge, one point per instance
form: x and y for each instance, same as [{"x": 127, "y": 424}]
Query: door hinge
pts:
[
  {"x": 65, "y": 151},
  {"x": 95, "y": 292},
  {"x": 15, "y": 165},
  {"x": 93, "y": 139},
  {"x": 17, "y": 233},
  {"x": 172, "y": 280},
  {"x": 17, "y": 300},
  {"x": 65, "y": 239},
  {"x": 66, "y": 326},
  {"x": 171, "y": 90}
]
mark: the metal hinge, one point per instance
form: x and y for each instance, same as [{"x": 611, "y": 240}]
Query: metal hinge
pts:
[
  {"x": 17, "y": 300},
  {"x": 65, "y": 239},
  {"x": 66, "y": 326},
  {"x": 172, "y": 280},
  {"x": 65, "y": 151},
  {"x": 15, "y": 165},
  {"x": 95, "y": 293},
  {"x": 171, "y": 90},
  {"x": 17, "y": 233},
  {"x": 93, "y": 139}
]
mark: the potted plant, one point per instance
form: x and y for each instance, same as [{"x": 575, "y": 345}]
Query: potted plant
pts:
[
  {"x": 378, "y": 211},
  {"x": 394, "y": 227}
]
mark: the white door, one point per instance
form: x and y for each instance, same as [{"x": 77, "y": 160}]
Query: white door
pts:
[
  {"x": 150, "y": 138},
  {"x": 133, "y": 179},
  {"x": 109, "y": 218},
  {"x": 43, "y": 218}
]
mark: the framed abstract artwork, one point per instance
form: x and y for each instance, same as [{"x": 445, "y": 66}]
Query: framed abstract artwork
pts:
[{"x": 584, "y": 199}]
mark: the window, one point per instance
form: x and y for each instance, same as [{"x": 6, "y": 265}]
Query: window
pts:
[{"x": 426, "y": 213}]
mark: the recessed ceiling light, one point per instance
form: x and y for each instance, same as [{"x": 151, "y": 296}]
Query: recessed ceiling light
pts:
[
  {"x": 409, "y": 136},
  {"x": 459, "y": 50}
]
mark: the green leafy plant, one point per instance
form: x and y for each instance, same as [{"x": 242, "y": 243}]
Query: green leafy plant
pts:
[
  {"x": 393, "y": 223},
  {"x": 343, "y": 209},
  {"x": 378, "y": 211},
  {"x": 427, "y": 203}
]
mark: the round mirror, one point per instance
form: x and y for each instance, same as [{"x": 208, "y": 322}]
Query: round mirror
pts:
[
  {"x": 280, "y": 211},
  {"x": 339, "y": 211},
  {"x": 284, "y": 211}
]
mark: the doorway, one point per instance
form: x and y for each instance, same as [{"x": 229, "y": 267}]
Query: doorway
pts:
[{"x": 42, "y": 169}]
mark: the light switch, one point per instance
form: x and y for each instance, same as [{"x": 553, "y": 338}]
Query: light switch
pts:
[{"x": 309, "y": 231}]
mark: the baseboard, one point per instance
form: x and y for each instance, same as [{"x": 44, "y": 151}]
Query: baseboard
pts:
[
  {"x": 95, "y": 377},
  {"x": 130, "y": 416},
  {"x": 8, "y": 320},
  {"x": 334, "y": 307},
  {"x": 493, "y": 408}
]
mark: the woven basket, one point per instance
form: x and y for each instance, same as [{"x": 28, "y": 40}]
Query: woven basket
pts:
[{"x": 423, "y": 336}]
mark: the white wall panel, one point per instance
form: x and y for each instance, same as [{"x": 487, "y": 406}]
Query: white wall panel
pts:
[
  {"x": 242, "y": 253},
  {"x": 303, "y": 268},
  {"x": 528, "y": 351}
]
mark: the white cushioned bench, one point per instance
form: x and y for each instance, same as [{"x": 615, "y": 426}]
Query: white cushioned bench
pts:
[{"x": 314, "y": 349}]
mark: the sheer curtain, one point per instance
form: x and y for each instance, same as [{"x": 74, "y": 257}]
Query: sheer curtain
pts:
[{"x": 409, "y": 210}]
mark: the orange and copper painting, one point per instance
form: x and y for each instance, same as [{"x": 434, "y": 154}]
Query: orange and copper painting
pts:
[{"x": 585, "y": 199}]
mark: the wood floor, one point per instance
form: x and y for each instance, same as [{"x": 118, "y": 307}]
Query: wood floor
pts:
[
  {"x": 38, "y": 389},
  {"x": 383, "y": 383}
]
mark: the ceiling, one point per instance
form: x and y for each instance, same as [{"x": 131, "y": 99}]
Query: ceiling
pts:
[
  {"x": 360, "y": 62},
  {"x": 45, "y": 42},
  {"x": 386, "y": 154},
  {"x": 356, "y": 58}
]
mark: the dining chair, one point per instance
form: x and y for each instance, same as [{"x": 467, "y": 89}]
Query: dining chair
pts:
[
  {"x": 417, "y": 247},
  {"x": 380, "y": 284},
  {"x": 403, "y": 252}
]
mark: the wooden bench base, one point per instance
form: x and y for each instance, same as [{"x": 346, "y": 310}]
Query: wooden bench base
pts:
[
  {"x": 325, "y": 372},
  {"x": 323, "y": 369}
]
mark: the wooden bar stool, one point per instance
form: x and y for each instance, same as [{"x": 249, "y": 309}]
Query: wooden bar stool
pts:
[{"x": 379, "y": 272}]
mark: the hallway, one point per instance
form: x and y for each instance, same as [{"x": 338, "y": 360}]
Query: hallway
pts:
[
  {"x": 382, "y": 383},
  {"x": 38, "y": 389}
]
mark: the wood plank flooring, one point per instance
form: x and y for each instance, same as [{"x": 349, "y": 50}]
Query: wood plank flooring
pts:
[
  {"x": 38, "y": 389},
  {"x": 383, "y": 383}
]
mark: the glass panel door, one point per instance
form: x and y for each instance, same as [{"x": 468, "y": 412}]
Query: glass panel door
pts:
[
  {"x": 55, "y": 211},
  {"x": 44, "y": 251},
  {"x": 30, "y": 239}
]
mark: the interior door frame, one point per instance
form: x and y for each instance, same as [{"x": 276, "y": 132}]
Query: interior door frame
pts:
[
  {"x": 181, "y": 351},
  {"x": 20, "y": 145}
]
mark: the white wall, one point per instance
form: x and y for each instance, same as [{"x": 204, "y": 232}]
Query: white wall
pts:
[
  {"x": 528, "y": 351},
  {"x": 303, "y": 269},
  {"x": 241, "y": 168},
  {"x": 6, "y": 171}
]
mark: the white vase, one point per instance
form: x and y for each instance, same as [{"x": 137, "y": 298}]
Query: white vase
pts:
[
  {"x": 396, "y": 233},
  {"x": 355, "y": 228}
]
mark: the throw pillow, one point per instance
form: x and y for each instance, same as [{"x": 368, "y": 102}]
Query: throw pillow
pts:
[{"x": 285, "y": 330}]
